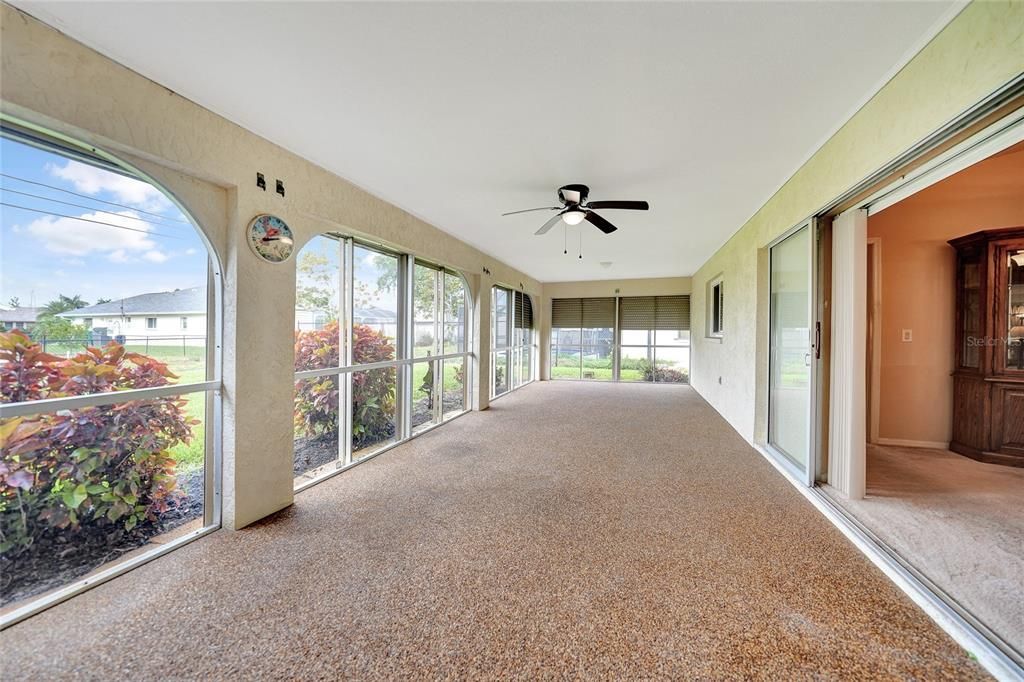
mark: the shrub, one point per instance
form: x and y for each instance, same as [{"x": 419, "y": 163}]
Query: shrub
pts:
[
  {"x": 662, "y": 374},
  {"x": 373, "y": 391},
  {"x": 106, "y": 467}
]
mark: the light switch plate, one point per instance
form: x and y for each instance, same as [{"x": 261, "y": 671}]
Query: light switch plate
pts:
[{"x": 908, "y": 335}]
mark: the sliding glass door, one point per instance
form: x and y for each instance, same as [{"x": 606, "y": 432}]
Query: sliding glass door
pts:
[{"x": 791, "y": 350}]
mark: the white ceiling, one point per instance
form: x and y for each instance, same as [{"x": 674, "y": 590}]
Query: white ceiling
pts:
[{"x": 460, "y": 112}]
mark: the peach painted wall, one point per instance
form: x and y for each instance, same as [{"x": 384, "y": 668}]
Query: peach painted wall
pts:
[{"x": 918, "y": 282}]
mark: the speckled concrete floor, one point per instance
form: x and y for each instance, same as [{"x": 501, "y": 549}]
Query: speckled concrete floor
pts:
[{"x": 573, "y": 530}]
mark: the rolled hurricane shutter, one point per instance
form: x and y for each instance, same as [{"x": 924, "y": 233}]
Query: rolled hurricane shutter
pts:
[
  {"x": 566, "y": 313},
  {"x": 654, "y": 312},
  {"x": 672, "y": 312},
  {"x": 527, "y": 311},
  {"x": 637, "y": 312},
  {"x": 520, "y": 310},
  {"x": 598, "y": 313}
]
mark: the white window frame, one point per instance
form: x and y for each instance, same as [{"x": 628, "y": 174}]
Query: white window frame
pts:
[
  {"x": 711, "y": 331},
  {"x": 516, "y": 349},
  {"x": 213, "y": 386},
  {"x": 403, "y": 362}
]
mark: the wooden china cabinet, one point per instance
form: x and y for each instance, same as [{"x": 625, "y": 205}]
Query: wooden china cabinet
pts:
[{"x": 988, "y": 382}]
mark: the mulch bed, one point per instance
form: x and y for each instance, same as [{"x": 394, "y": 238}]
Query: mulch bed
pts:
[
  {"x": 316, "y": 451},
  {"x": 56, "y": 560}
]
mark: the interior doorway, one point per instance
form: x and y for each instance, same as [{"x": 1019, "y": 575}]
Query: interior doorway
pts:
[{"x": 944, "y": 398}]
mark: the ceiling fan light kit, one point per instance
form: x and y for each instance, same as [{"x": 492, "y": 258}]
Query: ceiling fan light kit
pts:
[
  {"x": 573, "y": 217},
  {"x": 575, "y": 209}
]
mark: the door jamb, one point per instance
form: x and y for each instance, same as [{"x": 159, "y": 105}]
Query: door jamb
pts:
[{"x": 875, "y": 330}]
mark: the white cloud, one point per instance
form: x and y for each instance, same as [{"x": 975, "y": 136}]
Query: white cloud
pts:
[
  {"x": 76, "y": 238},
  {"x": 155, "y": 256},
  {"x": 92, "y": 180},
  {"x": 191, "y": 252}
]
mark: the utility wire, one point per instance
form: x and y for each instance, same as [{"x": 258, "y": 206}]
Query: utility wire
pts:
[
  {"x": 87, "y": 220},
  {"x": 86, "y": 196},
  {"x": 91, "y": 208}
]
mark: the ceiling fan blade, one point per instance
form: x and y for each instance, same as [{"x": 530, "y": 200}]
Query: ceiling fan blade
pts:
[
  {"x": 527, "y": 210},
  {"x": 600, "y": 222},
  {"x": 630, "y": 205},
  {"x": 549, "y": 224}
]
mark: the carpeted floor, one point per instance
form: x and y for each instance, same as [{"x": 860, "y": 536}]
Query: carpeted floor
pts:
[
  {"x": 572, "y": 530},
  {"x": 958, "y": 521}
]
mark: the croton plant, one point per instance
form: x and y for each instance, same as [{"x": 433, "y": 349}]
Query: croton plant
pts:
[{"x": 70, "y": 470}]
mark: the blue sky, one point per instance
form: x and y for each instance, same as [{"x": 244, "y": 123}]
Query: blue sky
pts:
[{"x": 43, "y": 255}]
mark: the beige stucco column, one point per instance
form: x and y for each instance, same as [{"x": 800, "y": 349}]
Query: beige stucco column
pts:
[{"x": 482, "y": 342}]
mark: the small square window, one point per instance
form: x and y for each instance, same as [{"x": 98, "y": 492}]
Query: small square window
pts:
[
  {"x": 150, "y": 323},
  {"x": 716, "y": 308}
]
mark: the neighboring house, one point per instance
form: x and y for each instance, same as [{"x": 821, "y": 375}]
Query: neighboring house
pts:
[
  {"x": 384, "y": 321},
  {"x": 19, "y": 318},
  {"x": 164, "y": 318}
]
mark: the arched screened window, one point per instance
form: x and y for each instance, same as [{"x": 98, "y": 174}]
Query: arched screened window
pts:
[
  {"x": 512, "y": 340},
  {"x": 109, "y": 371},
  {"x": 380, "y": 352}
]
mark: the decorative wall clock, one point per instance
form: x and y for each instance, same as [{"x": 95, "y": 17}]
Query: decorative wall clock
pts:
[{"x": 270, "y": 238}]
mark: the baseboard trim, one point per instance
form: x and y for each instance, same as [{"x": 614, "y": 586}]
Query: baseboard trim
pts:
[{"x": 903, "y": 443}]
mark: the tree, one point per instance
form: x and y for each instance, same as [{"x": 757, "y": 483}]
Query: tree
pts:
[
  {"x": 62, "y": 304},
  {"x": 54, "y": 328},
  {"x": 103, "y": 300},
  {"x": 316, "y": 287},
  {"x": 423, "y": 287},
  {"x": 14, "y": 302}
]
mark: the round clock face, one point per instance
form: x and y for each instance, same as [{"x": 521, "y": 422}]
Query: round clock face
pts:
[{"x": 270, "y": 238}]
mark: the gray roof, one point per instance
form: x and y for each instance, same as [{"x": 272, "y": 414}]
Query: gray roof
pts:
[
  {"x": 365, "y": 315},
  {"x": 373, "y": 314},
  {"x": 19, "y": 314},
  {"x": 178, "y": 302}
]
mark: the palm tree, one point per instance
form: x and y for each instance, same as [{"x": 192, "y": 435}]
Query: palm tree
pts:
[{"x": 62, "y": 304}]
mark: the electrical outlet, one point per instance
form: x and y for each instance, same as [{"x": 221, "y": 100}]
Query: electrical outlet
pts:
[{"x": 908, "y": 335}]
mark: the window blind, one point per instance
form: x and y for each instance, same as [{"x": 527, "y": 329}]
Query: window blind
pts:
[
  {"x": 524, "y": 311},
  {"x": 654, "y": 312},
  {"x": 586, "y": 313}
]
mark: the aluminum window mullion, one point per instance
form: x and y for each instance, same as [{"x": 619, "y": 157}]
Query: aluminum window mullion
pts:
[
  {"x": 96, "y": 399},
  {"x": 328, "y": 371},
  {"x": 403, "y": 391},
  {"x": 616, "y": 339},
  {"x": 345, "y": 383}
]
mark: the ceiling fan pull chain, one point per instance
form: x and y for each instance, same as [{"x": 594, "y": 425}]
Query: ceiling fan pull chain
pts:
[
  {"x": 581, "y": 243},
  {"x": 565, "y": 240}
]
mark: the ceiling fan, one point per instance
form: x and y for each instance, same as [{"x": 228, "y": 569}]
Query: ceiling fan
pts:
[{"x": 575, "y": 209}]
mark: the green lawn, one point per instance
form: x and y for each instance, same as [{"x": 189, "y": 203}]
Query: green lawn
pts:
[
  {"x": 190, "y": 366},
  {"x": 419, "y": 372},
  {"x": 599, "y": 373}
]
